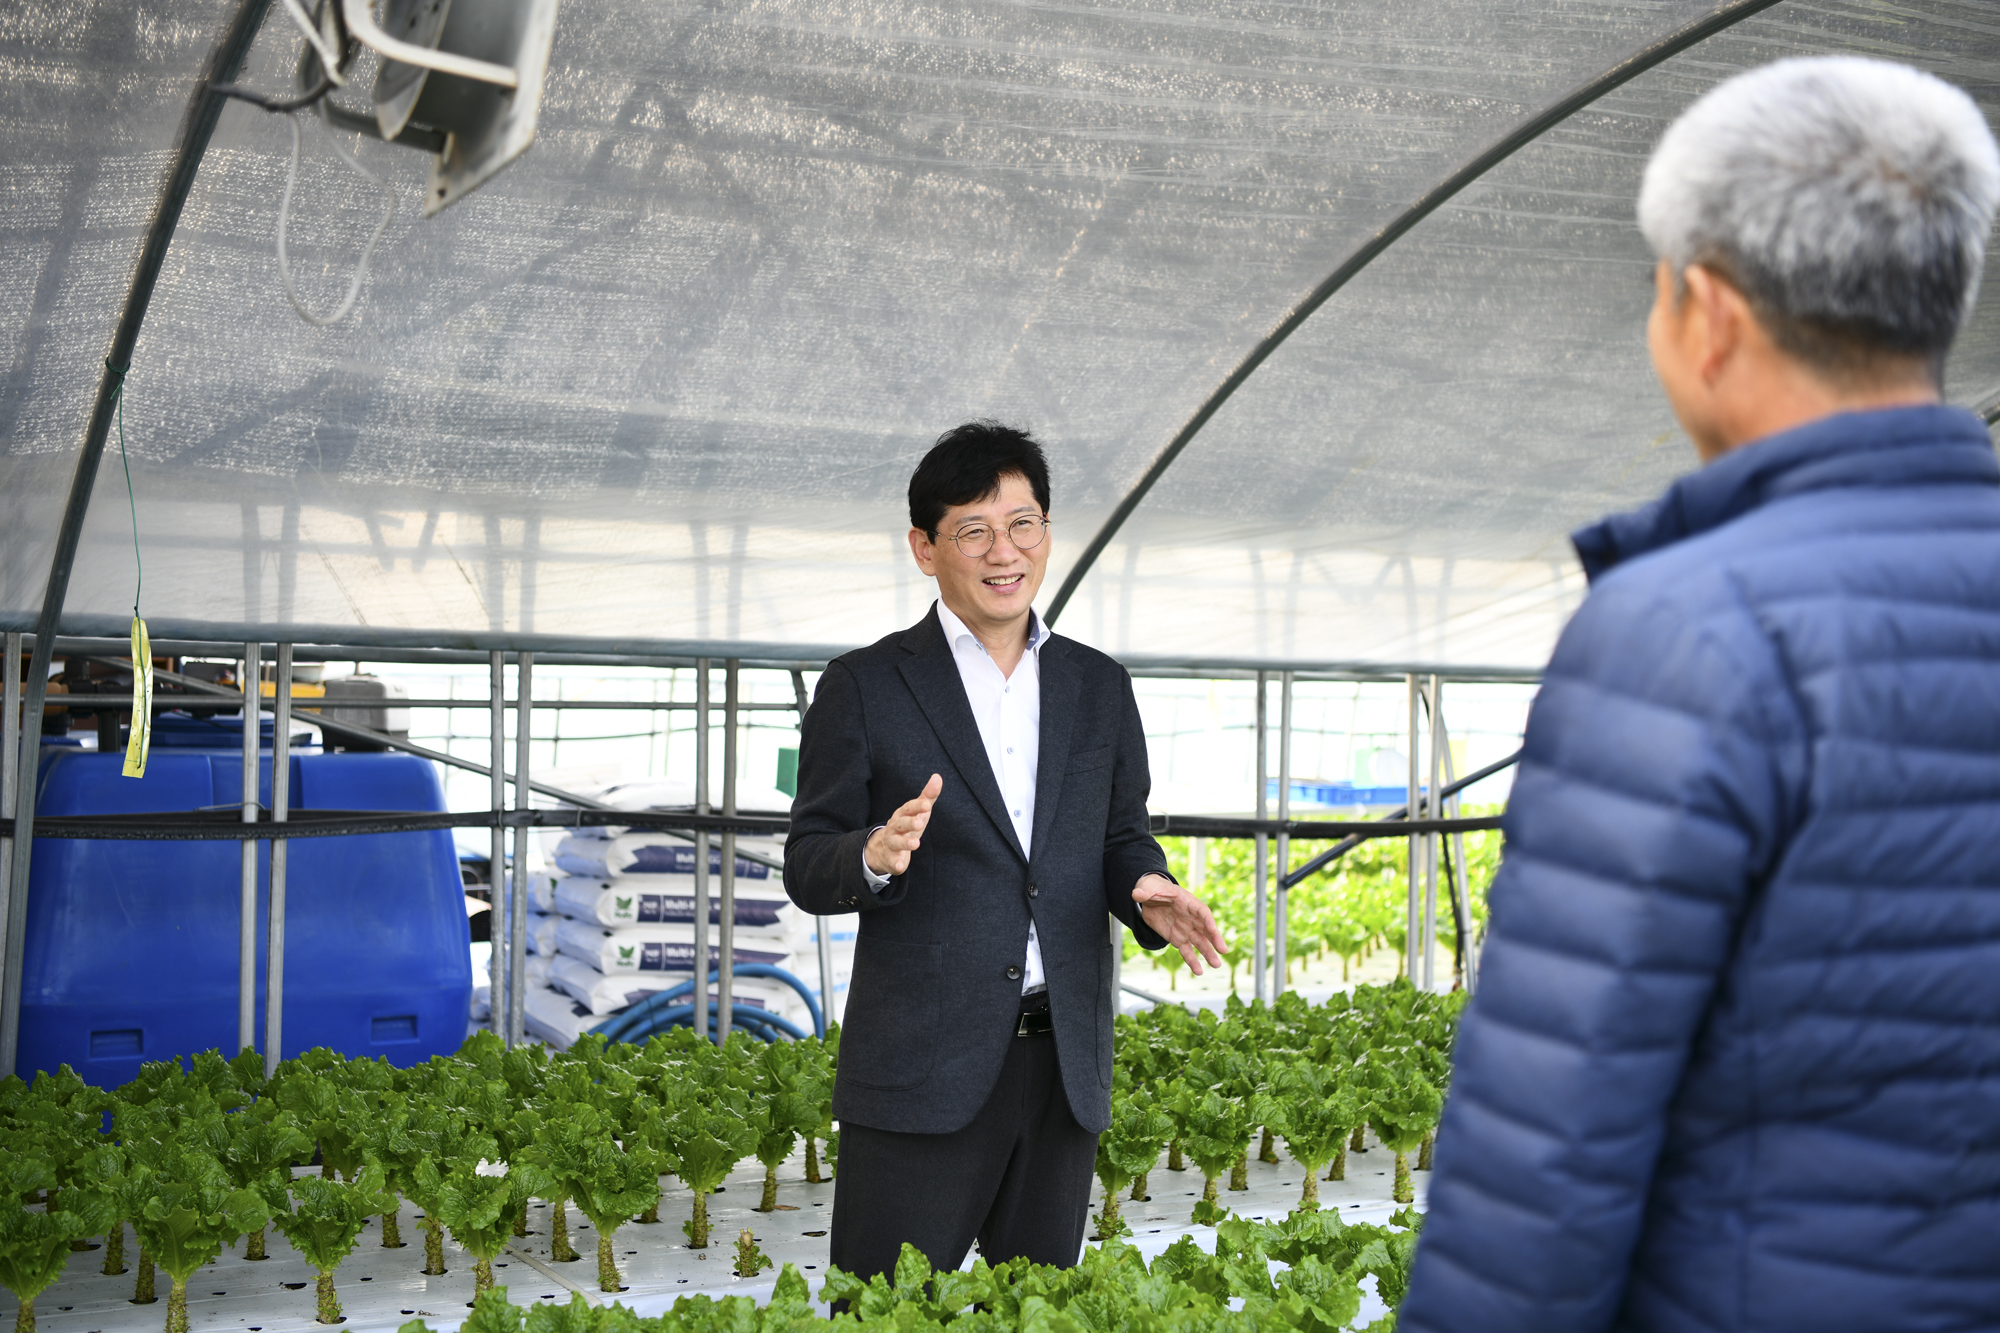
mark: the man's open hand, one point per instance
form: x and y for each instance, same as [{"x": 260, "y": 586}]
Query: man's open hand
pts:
[
  {"x": 889, "y": 847},
  {"x": 1183, "y": 919}
]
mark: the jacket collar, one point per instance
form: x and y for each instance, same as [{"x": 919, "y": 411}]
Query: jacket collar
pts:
[
  {"x": 1900, "y": 446},
  {"x": 954, "y": 628}
]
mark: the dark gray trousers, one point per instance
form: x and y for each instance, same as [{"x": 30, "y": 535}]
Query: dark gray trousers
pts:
[{"x": 1017, "y": 1179}]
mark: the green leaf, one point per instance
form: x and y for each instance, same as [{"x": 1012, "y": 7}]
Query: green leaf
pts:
[
  {"x": 577, "y": 1315},
  {"x": 913, "y": 1271},
  {"x": 194, "y": 1211},
  {"x": 327, "y": 1215},
  {"x": 708, "y": 1139},
  {"x": 34, "y": 1244},
  {"x": 491, "y": 1313},
  {"x": 477, "y": 1209}
]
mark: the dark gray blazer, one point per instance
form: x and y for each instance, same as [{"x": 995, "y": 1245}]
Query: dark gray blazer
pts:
[{"x": 937, "y": 982}]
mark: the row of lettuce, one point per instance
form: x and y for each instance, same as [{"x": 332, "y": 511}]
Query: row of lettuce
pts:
[
  {"x": 1356, "y": 906},
  {"x": 1210, "y": 1088},
  {"x": 196, "y": 1156},
  {"x": 1316, "y": 1284}
]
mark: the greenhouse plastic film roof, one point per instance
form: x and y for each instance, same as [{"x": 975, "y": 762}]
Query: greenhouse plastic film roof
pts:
[{"x": 661, "y": 382}]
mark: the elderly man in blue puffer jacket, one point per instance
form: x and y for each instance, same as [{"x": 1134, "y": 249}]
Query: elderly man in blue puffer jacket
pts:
[{"x": 1735, "y": 1058}]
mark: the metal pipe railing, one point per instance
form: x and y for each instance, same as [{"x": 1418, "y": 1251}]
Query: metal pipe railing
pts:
[
  {"x": 12, "y": 761},
  {"x": 1413, "y": 906},
  {"x": 725, "y": 988},
  {"x": 246, "y": 924},
  {"x": 1283, "y": 840},
  {"x": 313, "y": 703},
  {"x": 386, "y": 741},
  {"x": 274, "y": 926},
  {"x": 1260, "y": 878},
  {"x": 701, "y": 758},
  {"x": 499, "y": 925},
  {"x": 1393, "y": 822},
  {"x": 517, "y": 882}
]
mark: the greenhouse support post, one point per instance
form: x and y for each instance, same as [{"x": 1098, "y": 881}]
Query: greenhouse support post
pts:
[
  {"x": 499, "y": 923},
  {"x": 725, "y": 979},
  {"x": 1461, "y": 903},
  {"x": 246, "y": 908},
  {"x": 10, "y": 746},
  {"x": 197, "y": 126},
  {"x": 1284, "y": 848},
  {"x": 821, "y": 925},
  {"x": 1432, "y": 842},
  {"x": 700, "y": 960},
  {"x": 281, "y": 804},
  {"x": 1261, "y": 847},
  {"x": 517, "y": 883},
  {"x": 1412, "y": 927}
]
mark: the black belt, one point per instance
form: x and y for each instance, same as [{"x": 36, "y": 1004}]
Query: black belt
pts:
[{"x": 1036, "y": 1020}]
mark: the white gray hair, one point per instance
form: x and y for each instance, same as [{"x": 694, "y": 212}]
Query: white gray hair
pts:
[{"x": 1849, "y": 200}]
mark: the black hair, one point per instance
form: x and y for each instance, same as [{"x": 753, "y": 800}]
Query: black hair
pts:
[{"x": 967, "y": 463}]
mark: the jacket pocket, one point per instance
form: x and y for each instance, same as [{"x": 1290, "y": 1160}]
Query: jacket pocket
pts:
[
  {"x": 1089, "y": 759},
  {"x": 888, "y": 1036}
]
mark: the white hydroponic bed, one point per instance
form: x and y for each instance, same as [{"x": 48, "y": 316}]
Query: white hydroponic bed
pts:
[{"x": 381, "y": 1289}]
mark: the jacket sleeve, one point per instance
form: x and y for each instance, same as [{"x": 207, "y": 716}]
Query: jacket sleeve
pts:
[
  {"x": 830, "y": 814},
  {"x": 1130, "y": 850},
  {"x": 1661, "y": 761}
]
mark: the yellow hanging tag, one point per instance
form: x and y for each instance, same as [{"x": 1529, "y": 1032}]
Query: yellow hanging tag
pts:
[{"x": 142, "y": 701}]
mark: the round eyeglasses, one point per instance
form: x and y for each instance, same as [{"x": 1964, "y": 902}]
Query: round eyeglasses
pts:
[{"x": 976, "y": 539}]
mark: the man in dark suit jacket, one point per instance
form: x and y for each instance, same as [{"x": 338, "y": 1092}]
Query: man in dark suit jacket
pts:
[{"x": 976, "y": 787}]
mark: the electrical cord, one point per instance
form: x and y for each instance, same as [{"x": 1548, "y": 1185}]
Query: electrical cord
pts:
[
  {"x": 267, "y": 102},
  {"x": 329, "y": 60},
  {"x": 331, "y": 63},
  {"x": 284, "y": 220},
  {"x": 138, "y": 564}
]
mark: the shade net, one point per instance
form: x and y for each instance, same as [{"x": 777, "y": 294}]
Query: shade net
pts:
[{"x": 661, "y": 382}]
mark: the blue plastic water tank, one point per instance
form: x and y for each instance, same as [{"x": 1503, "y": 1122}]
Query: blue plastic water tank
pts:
[{"x": 132, "y": 947}]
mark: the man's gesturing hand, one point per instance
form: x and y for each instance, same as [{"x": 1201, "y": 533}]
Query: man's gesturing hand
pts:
[
  {"x": 889, "y": 847},
  {"x": 1182, "y": 918}
]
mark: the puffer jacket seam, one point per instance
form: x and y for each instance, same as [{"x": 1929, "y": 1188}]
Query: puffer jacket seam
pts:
[{"x": 1784, "y": 711}]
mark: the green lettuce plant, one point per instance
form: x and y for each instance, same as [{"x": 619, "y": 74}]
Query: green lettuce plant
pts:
[
  {"x": 709, "y": 1136},
  {"x": 1212, "y": 1129},
  {"x": 34, "y": 1245},
  {"x": 191, "y": 1213},
  {"x": 325, "y": 1221},
  {"x": 1126, "y": 1150},
  {"x": 476, "y": 1200},
  {"x": 578, "y": 1155},
  {"x": 750, "y": 1261},
  {"x": 438, "y": 1138},
  {"x": 1403, "y": 1106},
  {"x": 334, "y": 1116},
  {"x": 1313, "y": 1107},
  {"x": 259, "y": 1154}
]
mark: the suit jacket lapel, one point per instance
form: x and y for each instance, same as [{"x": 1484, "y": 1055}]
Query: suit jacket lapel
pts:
[
  {"x": 932, "y": 675},
  {"x": 1059, "y": 693}
]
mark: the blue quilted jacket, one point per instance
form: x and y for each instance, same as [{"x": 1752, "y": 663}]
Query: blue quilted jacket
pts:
[{"x": 1735, "y": 1058}]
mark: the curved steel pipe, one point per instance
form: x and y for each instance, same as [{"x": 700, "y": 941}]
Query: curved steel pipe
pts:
[
  {"x": 198, "y": 126},
  {"x": 1510, "y": 143}
]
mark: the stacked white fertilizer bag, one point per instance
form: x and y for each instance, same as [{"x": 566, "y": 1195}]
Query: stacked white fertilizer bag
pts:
[
  {"x": 542, "y": 920},
  {"x": 541, "y": 942},
  {"x": 623, "y": 927}
]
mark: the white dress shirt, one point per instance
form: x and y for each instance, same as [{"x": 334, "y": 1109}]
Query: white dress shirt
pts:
[{"x": 1008, "y": 710}]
